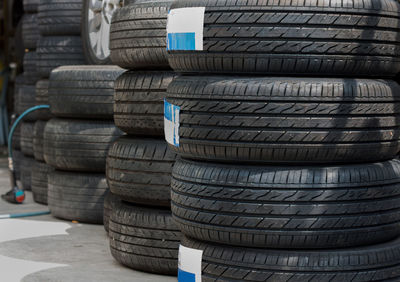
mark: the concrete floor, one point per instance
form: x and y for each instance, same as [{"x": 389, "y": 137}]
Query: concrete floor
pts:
[{"x": 43, "y": 248}]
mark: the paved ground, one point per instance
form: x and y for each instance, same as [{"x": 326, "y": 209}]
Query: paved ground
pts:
[{"x": 43, "y": 248}]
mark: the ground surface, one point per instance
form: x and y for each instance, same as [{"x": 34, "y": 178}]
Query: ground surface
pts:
[{"x": 47, "y": 249}]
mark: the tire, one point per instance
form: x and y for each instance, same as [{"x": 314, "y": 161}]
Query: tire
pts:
[
  {"x": 138, "y": 35},
  {"x": 92, "y": 54},
  {"x": 287, "y": 207},
  {"x": 26, "y": 170},
  {"x": 40, "y": 172},
  {"x": 78, "y": 145},
  {"x": 60, "y": 17},
  {"x": 139, "y": 101},
  {"x": 139, "y": 170},
  {"x": 31, "y": 6},
  {"x": 83, "y": 91},
  {"x": 55, "y": 51},
  {"x": 17, "y": 160},
  {"x": 30, "y": 71},
  {"x": 19, "y": 81},
  {"x": 15, "y": 42},
  {"x": 16, "y": 140},
  {"x": 38, "y": 136},
  {"x": 25, "y": 99},
  {"x": 366, "y": 264},
  {"x": 144, "y": 239},
  {"x": 42, "y": 98},
  {"x": 77, "y": 196},
  {"x": 283, "y": 38},
  {"x": 30, "y": 31},
  {"x": 27, "y": 138},
  {"x": 286, "y": 120},
  {"x": 109, "y": 203}
]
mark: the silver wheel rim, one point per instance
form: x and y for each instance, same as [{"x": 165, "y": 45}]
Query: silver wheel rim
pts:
[{"x": 99, "y": 21}]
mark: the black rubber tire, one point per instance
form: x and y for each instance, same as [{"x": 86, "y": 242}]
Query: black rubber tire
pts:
[
  {"x": 77, "y": 196},
  {"x": 19, "y": 81},
  {"x": 30, "y": 31},
  {"x": 17, "y": 160},
  {"x": 90, "y": 56},
  {"x": 109, "y": 202},
  {"x": 42, "y": 98},
  {"x": 31, "y": 76},
  {"x": 144, "y": 239},
  {"x": 55, "y": 51},
  {"x": 26, "y": 170},
  {"x": 139, "y": 101},
  {"x": 27, "y": 138},
  {"x": 372, "y": 263},
  {"x": 308, "y": 38},
  {"x": 38, "y": 136},
  {"x": 138, "y": 35},
  {"x": 287, "y": 207},
  {"x": 31, "y": 6},
  {"x": 25, "y": 99},
  {"x": 16, "y": 139},
  {"x": 60, "y": 17},
  {"x": 78, "y": 145},
  {"x": 287, "y": 120},
  {"x": 139, "y": 170},
  {"x": 83, "y": 91},
  {"x": 40, "y": 172}
]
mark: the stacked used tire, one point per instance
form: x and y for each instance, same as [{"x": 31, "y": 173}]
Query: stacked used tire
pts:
[
  {"x": 142, "y": 233},
  {"x": 59, "y": 43},
  {"x": 24, "y": 97},
  {"x": 292, "y": 177},
  {"x": 77, "y": 139}
]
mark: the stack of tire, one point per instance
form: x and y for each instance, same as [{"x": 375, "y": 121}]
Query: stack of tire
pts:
[
  {"x": 24, "y": 97},
  {"x": 59, "y": 43},
  {"x": 292, "y": 177},
  {"x": 77, "y": 140},
  {"x": 142, "y": 233}
]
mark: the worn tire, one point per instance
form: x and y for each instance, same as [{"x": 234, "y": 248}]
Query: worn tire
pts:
[
  {"x": 30, "y": 31},
  {"x": 366, "y": 264},
  {"x": 42, "y": 98},
  {"x": 288, "y": 120},
  {"x": 77, "y": 196},
  {"x": 287, "y": 207},
  {"x": 83, "y": 91},
  {"x": 31, "y": 76},
  {"x": 27, "y": 138},
  {"x": 79, "y": 145},
  {"x": 139, "y": 101},
  {"x": 302, "y": 38},
  {"x": 26, "y": 170},
  {"x": 16, "y": 140},
  {"x": 31, "y": 6},
  {"x": 55, "y": 51},
  {"x": 138, "y": 35},
  {"x": 38, "y": 136},
  {"x": 60, "y": 17},
  {"x": 40, "y": 172},
  {"x": 25, "y": 99},
  {"x": 109, "y": 202},
  {"x": 144, "y": 239},
  {"x": 17, "y": 160},
  {"x": 139, "y": 170}
]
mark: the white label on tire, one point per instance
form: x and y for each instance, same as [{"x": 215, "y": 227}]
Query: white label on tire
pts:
[
  {"x": 185, "y": 29},
  {"x": 171, "y": 123},
  {"x": 189, "y": 264}
]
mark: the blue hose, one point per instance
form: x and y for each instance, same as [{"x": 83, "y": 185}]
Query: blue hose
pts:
[{"x": 10, "y": 135}]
